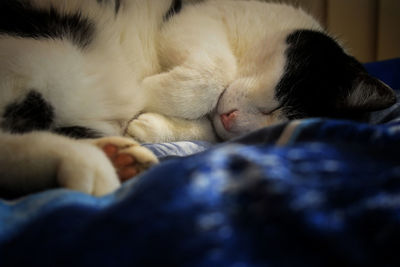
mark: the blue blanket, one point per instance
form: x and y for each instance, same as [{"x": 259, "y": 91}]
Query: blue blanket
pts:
[{"x": 311, "y": 192}]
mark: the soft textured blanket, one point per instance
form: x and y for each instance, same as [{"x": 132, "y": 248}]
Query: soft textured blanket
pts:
[{"x": 306, "y": 193}]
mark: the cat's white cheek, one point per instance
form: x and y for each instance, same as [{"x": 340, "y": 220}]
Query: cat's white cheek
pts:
[{"x": 274, "y": 118}]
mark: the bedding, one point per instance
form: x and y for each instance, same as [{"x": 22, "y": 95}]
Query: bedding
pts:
[{"x": 313, "y": 192}]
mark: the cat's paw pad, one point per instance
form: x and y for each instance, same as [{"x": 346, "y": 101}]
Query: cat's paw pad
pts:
[
  {"x": 147, "y": 128},
  {"x": 124, "y": 164},
  {"x": 128, "y": 157}
]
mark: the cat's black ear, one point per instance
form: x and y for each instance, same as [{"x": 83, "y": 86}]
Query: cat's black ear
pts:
[{"x": 368, "y": 94}]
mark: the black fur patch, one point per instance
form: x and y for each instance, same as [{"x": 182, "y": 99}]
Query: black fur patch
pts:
[
  {"x": 21, "y": 19},
  {"x": 117, "y": 4},
  {"x": 318, "y": 75},
  {"x": 78, "y": 132},
  {"x": 175, "y": 8},
  {"x": 33, "y": 113}
]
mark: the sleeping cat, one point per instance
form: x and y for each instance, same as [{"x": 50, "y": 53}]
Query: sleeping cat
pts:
[
  {"x": 83, "y": 69},
  {"x": 247, "y": 65}
]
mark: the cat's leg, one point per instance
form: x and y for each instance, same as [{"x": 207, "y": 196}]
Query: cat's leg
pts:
[
  {"x": 157, "y": 128},
  {"x": 190, "y": 90},
  {"x": 37, "y": 161}
]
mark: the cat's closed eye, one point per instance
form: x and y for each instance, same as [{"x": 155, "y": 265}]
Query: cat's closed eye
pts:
[{"x": 269, "y": 111}]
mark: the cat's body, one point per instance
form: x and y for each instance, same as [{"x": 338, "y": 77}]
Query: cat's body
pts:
[
  {"x": 90, "y": 68},
  {"x": 89, "y": 71}
]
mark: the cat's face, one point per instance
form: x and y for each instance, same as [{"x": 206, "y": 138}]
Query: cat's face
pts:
[{"x": 302, "y": 74}]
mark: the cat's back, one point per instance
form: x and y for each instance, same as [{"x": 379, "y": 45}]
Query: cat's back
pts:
[
  {"x": 249, "y": 22},
  {"x": 244, "y": 23}
]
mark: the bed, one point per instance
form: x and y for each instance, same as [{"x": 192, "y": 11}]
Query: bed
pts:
[{"x": 313, "y": 192}]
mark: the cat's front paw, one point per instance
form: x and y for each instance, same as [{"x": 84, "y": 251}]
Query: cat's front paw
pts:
[
  {"x": 127, "y": 156},
  {"x": 84, "y": 168},
  {"x": 87, "y": 169},
  {"x": 148, "y": 128}
]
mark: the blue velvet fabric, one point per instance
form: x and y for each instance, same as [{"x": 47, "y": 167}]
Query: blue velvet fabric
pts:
[
  {"x": 388, "y": 71},
  {"x": 305, "y": 193}
]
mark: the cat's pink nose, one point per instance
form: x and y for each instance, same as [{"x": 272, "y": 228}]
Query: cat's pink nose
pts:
[{"x": 228, "y": 118}]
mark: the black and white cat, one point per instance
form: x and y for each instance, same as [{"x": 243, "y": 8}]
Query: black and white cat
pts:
[
  {"x": 247, "y": 65},
  {"x": 83, "y": 69}
]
